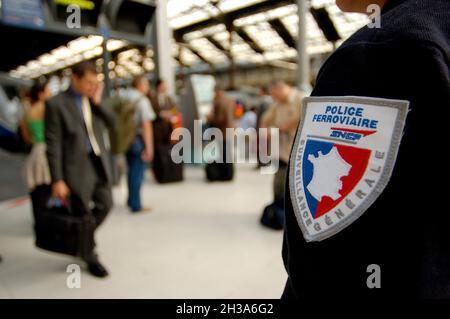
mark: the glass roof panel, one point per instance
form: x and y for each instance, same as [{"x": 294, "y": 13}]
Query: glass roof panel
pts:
[
  {"x": 258, "y": 29},
  {"x": 186, "y": 12},
  {"x": 230, "y": 5}
]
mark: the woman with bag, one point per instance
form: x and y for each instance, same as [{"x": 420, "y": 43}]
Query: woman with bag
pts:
[{"x": 37, "y": 172}]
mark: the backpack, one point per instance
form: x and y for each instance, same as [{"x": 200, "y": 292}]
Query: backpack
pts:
[{"x": 123, "y": 134}]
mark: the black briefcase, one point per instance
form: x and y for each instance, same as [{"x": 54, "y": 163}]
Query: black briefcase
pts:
[{"x": 66, "y": 229}]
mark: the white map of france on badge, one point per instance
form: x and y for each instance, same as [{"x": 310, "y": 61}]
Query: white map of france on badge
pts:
[
  {"x": 342, "y": 159},
  {"x": 328, "y": 171}
]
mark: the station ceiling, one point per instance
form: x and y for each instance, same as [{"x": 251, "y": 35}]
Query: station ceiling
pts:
[{"x": 262, "y": 32}]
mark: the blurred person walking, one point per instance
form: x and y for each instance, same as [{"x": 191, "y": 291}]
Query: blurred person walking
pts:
[
  {"x": 167, "y": 120},
  {"x": 141, "y": 151},
  {"x": 164, "y": 102},
  {"x": 221, "y": 117},
  {"x": 37, "y": 171},
  {"x": 265, "y": 102},
  {"x": 284, "y": 114},
  {"x": 249, "y": 119},
  {"x": 75, "y": 124},
  {"x": 165, "y": 109}
]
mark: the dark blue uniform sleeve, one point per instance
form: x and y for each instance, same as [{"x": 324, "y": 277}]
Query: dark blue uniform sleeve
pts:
[{"x": 406, "y": 230}]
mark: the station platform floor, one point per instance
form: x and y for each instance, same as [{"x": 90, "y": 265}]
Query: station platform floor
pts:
[{"x": 201, "y": 240}]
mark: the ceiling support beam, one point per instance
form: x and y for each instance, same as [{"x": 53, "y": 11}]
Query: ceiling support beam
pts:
[
  {"x": 217, "y": 44},
  {"x": 325, "y": 24},
  {"x": 283, "y": 32},
  {"x": 249, "y": 40},
  {"x": 262, "y": 6}
]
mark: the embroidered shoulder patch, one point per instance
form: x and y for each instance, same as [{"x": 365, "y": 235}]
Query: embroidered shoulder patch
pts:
[{"x": 342, "y": 160}]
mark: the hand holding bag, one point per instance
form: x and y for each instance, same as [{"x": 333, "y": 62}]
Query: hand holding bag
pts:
[{"x": 66, "y": 227}]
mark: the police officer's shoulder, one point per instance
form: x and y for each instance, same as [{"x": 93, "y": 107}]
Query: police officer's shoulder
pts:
[
  {"x": 410, "y": 31},
  {"x": 411, "y": 22},
  {"x": 424, "y": 21}
]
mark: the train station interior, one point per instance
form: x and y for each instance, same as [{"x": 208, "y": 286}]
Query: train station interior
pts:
[{"x": 196, "y": 238}]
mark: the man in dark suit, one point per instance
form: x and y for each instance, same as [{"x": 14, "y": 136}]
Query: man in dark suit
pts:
[{"x": 75, "y": 124}]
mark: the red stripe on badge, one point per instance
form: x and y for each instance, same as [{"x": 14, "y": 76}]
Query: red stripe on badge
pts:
[{"x": 364, "y": 133}]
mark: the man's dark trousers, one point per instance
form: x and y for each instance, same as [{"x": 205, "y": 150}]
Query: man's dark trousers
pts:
[{"x": 101, "y": 196}]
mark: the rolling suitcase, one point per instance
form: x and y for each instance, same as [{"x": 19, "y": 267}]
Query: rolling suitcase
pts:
[
  {"x": 219, "y": 172},
  {"x": 164, "y": 169}
]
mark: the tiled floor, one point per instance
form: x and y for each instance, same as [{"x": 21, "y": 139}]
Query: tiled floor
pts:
[
  {"x": 12, "y": 183},
  {"x": 200, "y": 241}
]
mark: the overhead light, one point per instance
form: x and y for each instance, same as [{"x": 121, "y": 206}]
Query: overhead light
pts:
[
  {"x": 148, "y": 64},
  {"x": 47, "y": 59},
  {"x": 85, "y": 43},
  {"x": 97, "y": 51},
  {"x": 137, "y": 58},
  {"x": 61, "y": 53},
  {"x": 114, "y": 45},
  {"x": 77, "y": 58},
  {"x": 33, "y": 65},
  {"x": 82, "y": 48},
  {"x": 88, "y": 55},
  {"x": 22, "y": 69},
  {"x": 125, "y": 55}
]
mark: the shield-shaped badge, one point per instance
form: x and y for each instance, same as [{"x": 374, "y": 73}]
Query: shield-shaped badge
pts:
[{"x": 342, "y": 159}]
